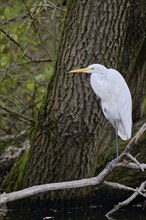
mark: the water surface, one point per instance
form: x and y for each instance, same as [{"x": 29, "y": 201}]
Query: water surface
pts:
[{"x": 91, "y": 213}]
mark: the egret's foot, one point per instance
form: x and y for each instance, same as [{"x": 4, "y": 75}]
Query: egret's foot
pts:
[{"x": 110, "y": 165}]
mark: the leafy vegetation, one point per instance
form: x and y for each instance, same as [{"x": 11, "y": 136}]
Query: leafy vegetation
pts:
[{"x": 29, "y": 33}]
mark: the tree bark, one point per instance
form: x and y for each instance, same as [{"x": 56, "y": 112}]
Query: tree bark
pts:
[
  {"x": 133, "y": 57},
  {"x": 72, "y": 138}
]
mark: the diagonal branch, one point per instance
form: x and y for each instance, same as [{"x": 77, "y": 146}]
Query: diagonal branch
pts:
[
  {"x": 15, "y": 42},
  {"x": 127, "y": 201},
  {"x": 135, "y": 161},
  {"x": 121, "y": 186},
  {"x": 16, "y": 114},
  {"x": 136, "y": 138}
]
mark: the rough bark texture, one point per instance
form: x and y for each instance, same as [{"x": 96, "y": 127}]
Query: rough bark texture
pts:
[
  {"x": 133, "y": 58},
  {"x": 71, "y": 138}
]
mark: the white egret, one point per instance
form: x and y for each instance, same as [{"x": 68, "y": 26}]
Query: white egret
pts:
[{"x": 116, "y": 102}]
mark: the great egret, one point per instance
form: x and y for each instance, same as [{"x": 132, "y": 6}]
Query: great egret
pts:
[{"x": 116, "y": 102}]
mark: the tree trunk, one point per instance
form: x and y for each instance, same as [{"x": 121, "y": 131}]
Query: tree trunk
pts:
[{"x": 72, "y": 138}]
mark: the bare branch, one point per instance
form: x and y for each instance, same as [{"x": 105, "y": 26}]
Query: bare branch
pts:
[
  {"x": 14, "y": 20},
  {"x": 21, "y": 48},
  {"x": 8, "y": 197},
  {"x": 15, "y": 42},
  {"x": 119, "y": 186},
  {"x": 22, "y": 117},
  {"x": 135, "y": 160},
  {"x": 36, "y": 30},
  {"x": 136, "y": 138},
  {"x": 127, "y": 201},
  {"x": 123, "y": 187},
  {"x": 36, "y": 61},
  {"x": 131, "y": 165}
]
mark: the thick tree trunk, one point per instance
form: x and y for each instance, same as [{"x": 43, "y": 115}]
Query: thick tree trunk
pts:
[
  {"x": 70, "y": 123},
  {"x": 71, "y": 138}
]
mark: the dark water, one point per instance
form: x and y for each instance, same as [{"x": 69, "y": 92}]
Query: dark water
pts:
[{"x": 91, "y": 213}]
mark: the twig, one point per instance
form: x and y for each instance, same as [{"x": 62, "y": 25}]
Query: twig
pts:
[
  {"x": 127, "y": 201},
  {"x": 36, "y": 29},
  {"x": 135, "y": 160},
  {"x": 14, "y": 20},
  {"x": 36, "y": 61},
  {"x": 23, "y": 117},
  {"x": 15, "y": 42}
]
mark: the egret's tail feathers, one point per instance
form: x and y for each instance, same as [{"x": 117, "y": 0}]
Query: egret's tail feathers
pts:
[
  {"x": 124, "y": 131},
  {"x": 123, "y": 136}
]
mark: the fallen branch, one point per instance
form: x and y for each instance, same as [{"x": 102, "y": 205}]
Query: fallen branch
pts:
[
  {"x": 123, "y": 187},
  {"x": 119, "y": 186},
  {"x": 127, "y": 201},
  {"x": 8, "y": 197},
  {"x": 94, "y": 181}
]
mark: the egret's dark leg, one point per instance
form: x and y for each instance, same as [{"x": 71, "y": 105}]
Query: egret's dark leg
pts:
[
  {"x": 117, "y": 147},
  {"x": 109, "y": 165}
]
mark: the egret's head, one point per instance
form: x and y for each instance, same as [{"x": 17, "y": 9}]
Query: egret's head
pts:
[{"x": 94, "y": 68}]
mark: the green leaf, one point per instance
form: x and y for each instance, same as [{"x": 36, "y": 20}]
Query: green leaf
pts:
[{"x": 30, "y": 86}]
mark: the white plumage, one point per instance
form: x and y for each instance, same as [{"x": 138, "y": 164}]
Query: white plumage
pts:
[
  {"x": 111, "y": 88},
  {"x": 116, "y": 102}
]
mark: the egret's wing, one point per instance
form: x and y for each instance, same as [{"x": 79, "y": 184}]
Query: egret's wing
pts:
[{"x": 122, "y": 103}]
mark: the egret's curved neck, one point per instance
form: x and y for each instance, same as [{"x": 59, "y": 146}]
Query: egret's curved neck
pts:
[{"x": 99, "y": 74}]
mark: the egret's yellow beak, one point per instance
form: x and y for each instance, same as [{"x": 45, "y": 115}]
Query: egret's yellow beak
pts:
[{"x": 79, "y": 70}]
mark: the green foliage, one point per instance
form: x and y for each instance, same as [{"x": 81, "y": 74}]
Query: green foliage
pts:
[{"x": 29, "y": 32}]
